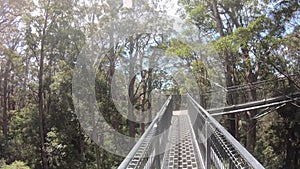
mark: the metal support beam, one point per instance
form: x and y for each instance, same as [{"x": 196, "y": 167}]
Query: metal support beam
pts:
[{"x": 254, "y": 105}]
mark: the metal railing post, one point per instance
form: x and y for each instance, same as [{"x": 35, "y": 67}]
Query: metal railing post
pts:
[
  {"x": 157, "y": 156},
  {"x": 208, "y": 145}
]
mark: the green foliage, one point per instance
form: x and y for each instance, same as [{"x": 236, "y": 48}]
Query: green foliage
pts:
[
  {"x": 24, "y": 135},
  {"x": 226, "y": 44},
  {"x": 259, "y": 38},
  {"x": 15, "y": 165},
  {"x": 180, "y": 49},
  {"x": 268, "y": 34},
  {"x": 270, "y": 147}
]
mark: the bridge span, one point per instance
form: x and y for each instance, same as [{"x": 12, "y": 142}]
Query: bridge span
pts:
[{"x": 187, "y": 139}]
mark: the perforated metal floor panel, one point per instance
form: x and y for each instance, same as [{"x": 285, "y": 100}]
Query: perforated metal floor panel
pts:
[
  {"x": 141, "y": 153},
  {"x": 182, "y": 147}
]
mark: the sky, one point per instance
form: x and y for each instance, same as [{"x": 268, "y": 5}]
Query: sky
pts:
[
  {"x": 127, "y": 3},
  {"x": 171, "y": 8}
]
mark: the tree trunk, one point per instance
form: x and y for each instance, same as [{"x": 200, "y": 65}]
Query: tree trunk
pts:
[
  {"x": 150, "y": 77},
  {"x": 98, "y": 156},
  {"x": 41, "y": 93},
  {"x": 5, "y": 100},
  {"x": 25, "y": 80},
  {"x": 82, "y": 147},
  {"x": 112, "y": 63},
  {"x": 231, "y": 123},
  {"x": 41, "y": 113},
  {"x": 217, "y": 17},
  {"x": 132, "y": 78},
  {"x": 251, "y": 125},
  {"x": 144, "y": 100},
  {"x": 1, "y": 108},
  {"x": 251, "y": 131},
  {"x": 230, "y": 96},
  {"x": 291, "y": 160}
]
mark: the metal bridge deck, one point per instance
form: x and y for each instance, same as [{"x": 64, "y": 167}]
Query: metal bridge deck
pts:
[
  {"x": 205, "y": 143},
  {"x": 182, "y": 148}
]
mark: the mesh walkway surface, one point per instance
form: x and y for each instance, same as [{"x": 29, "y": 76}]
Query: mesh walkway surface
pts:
[
  {"x": 178, "y": 147},
  {"x": 182, "y": 148}
]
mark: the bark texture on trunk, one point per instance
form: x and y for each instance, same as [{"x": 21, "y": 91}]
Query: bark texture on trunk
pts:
[
  {"x": 231, "y": 123},
  {"x": 252, "y": 96},
  {"x": 41, "y": 92}
]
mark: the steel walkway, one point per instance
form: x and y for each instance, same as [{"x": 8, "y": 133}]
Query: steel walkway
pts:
[
  {"x": 182, "y": 151},
  {"x": 193, "y": 138}
]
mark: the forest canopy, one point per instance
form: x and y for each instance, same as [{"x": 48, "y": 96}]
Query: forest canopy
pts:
[{"x": 140, "y": 51}]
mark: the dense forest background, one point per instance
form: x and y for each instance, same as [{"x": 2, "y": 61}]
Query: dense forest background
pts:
[{"x": 41, "y": 40}]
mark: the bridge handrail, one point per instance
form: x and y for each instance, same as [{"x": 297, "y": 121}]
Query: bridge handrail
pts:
[
  {"x": 242, "y": 151},
  {"x": 134, "y": 150}
]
